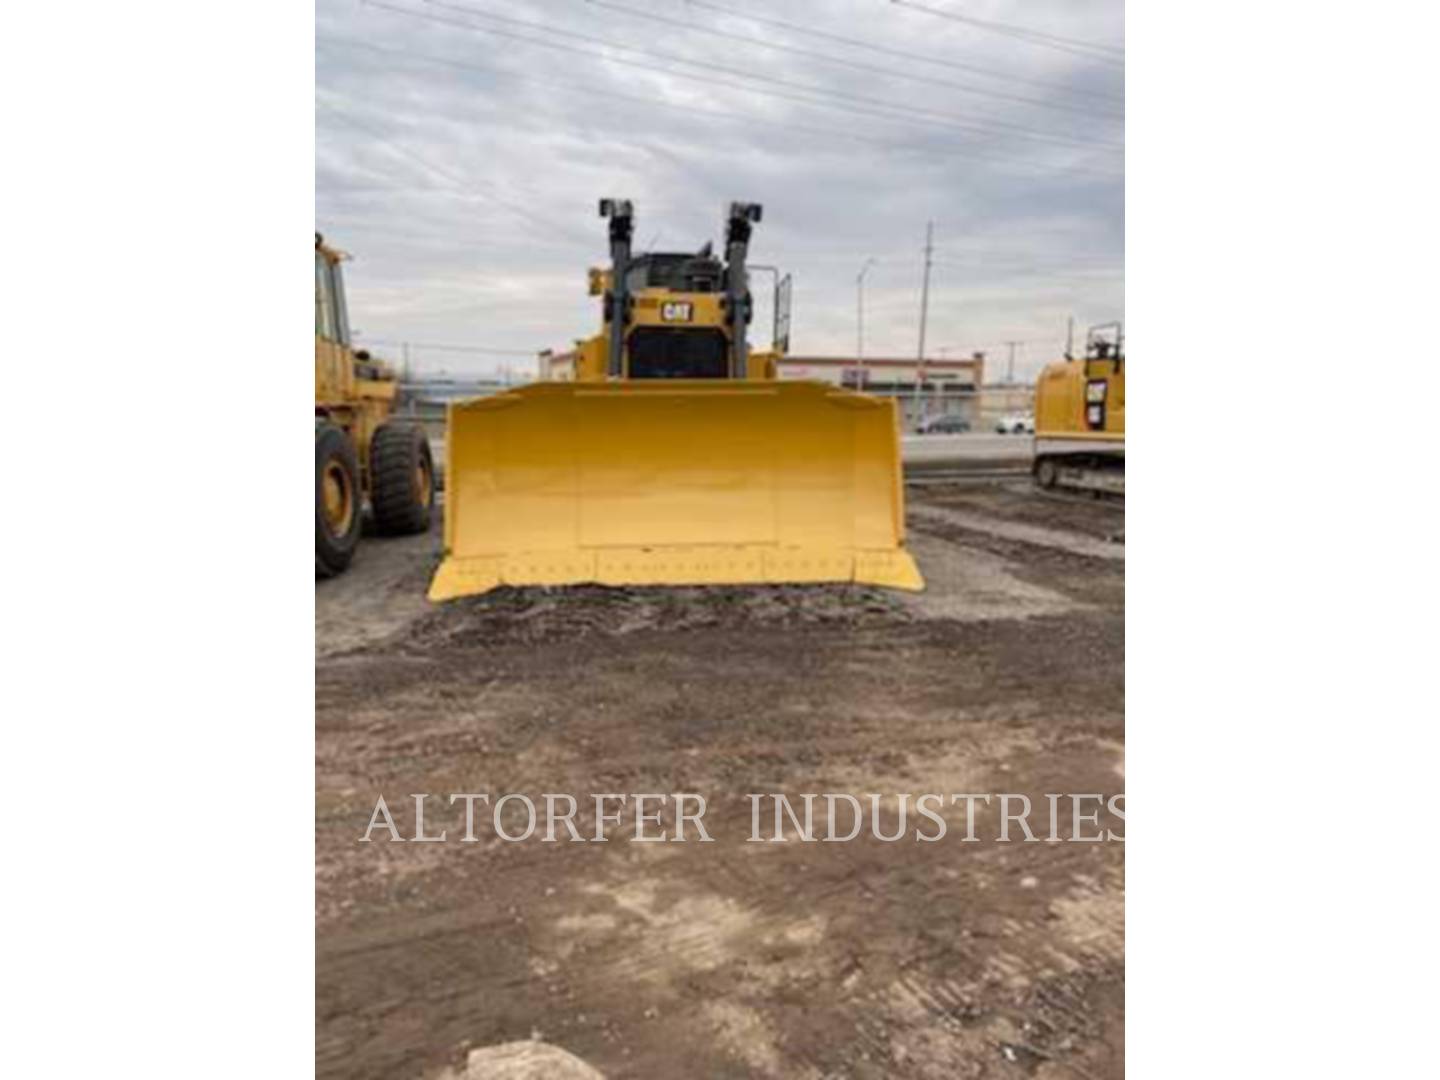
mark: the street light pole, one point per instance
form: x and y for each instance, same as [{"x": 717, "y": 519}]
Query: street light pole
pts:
[{"x": 860, "y": 316}]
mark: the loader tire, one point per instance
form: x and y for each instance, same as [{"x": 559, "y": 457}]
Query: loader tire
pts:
[
  {"x": 337, "y": 500},
  {"x": 402, "y": 480},
  {"x": 1046, "y": 472}
]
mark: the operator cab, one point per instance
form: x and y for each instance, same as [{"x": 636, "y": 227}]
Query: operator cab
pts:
[
  {"x": 332, "y": 322},
  {"x": 678, "y": 272},
  {"x": 677, "y": 315},
  {"x": 1106, "y": 342},
  {"x": 690, "y": 351}
]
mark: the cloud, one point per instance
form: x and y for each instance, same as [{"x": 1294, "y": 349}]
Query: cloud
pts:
[{"x": 462, "y": 145}]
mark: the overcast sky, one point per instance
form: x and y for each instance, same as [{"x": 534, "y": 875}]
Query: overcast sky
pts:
[{"x": 462, "y": 146}]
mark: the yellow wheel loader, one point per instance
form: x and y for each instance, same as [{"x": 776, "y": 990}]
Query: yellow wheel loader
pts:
[
  {"x": 1080, "y": 417},
  {"x": 663, "y": 451},
  {"x": 361, "y": 454}
]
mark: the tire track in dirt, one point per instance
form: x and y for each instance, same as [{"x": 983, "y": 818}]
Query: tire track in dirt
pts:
[{"x": 864, "y": 959}]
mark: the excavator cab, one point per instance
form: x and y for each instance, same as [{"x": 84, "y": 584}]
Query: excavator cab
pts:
[{"x": 1106, "y": 342}]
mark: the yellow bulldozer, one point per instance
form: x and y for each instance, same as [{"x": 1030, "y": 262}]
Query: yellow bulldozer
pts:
[
  {"x": 1080, "y": 417},
  {"x": 664, "y": 451},
  {"x": 362, "y": 455}
]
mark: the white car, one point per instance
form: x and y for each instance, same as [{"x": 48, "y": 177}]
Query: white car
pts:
[{"x": 1016, "y": 424}]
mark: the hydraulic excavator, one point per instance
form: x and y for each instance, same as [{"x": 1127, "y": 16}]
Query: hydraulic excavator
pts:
[
  {"x": 1080, "y": 417},
  {"x": 664, "y": 451}
]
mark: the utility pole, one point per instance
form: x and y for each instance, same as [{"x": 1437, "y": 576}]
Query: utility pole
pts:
[
  {"x": 924, "y": 315},
  {"x": 1010, "y": 364},
  {"x": 925, "y": 288},
  {"x": 860, "y": 316},
  {"x": 1070, "y": 338}
]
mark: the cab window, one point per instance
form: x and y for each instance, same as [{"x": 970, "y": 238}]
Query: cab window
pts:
[
  {"x": 342, "y": 317},
  {"x": 324, "y": 305}
]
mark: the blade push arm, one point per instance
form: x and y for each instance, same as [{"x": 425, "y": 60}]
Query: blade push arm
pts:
[
  {"x": 621, "y": 213},
  {"x": 737, "y": 281}
]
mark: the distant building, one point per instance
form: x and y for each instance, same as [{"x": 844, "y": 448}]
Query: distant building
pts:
[
  {"x": 424, "y": 397},
  {"x": 923, "y": 389}
]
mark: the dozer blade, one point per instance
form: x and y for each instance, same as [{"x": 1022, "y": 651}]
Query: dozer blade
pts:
[{"x": 673, "y": 482}]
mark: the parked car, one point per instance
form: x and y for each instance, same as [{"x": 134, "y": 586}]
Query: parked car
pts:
[
  {"x": 947, "y": 424},
  {"x": 1016, "y": 424}
]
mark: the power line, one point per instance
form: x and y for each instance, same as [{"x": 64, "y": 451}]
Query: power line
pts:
[
  {"x": 952, "y": 256},
  {"x": 412, "y": 156},
  {"x": 846, "y": 62},
  {"x": 589, "y": 90},
  {"x": 409, "y": 235},
  {"x": 900, "y": 110},
  {"x": 998, "y": 344},
  {"x": 817, "y": 95},
  {"x": 1021, "y": 264},
  {"x": 903, "y": 54},
  {"x": 1105, "y": 54},
  {"x": 1057, "y": 274},
  {"x": 967, "y": 256},
  {"x": 440, "y": 347}
]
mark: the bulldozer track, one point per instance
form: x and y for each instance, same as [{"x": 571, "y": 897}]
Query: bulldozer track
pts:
[
  {"x": 985, "y": 477},
  {"x": 965, "y": 476},
  {"x": 1100, "y": 498}
]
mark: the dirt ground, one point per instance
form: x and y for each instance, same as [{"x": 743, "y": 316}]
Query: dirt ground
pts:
[{"x": 732, "y": 959}]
